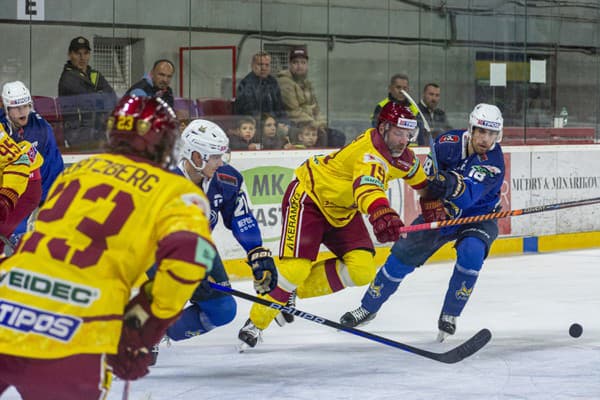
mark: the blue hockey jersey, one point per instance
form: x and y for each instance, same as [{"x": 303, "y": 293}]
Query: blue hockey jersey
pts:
[
  {"x": 40, "y": 134},
  {"x": 483, "y": 175},
  {"x": 226, "y": 197}
]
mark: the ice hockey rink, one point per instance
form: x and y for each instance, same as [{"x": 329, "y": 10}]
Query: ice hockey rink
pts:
[{"x": 527, "y": 301}]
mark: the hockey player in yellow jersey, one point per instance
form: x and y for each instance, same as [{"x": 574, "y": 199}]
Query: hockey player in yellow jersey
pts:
[
  {"x": 324, "y": 205},
  {"x": 15, "y": 166},
  {"x": 66, "y": 317}
]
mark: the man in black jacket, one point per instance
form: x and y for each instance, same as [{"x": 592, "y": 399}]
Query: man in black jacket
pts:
[
  {"x": 436, "y": 117},
  {"x": 156, "y": 82},
  {"x": 259, "y": 93},
  {"x": 85, "y": 97}
]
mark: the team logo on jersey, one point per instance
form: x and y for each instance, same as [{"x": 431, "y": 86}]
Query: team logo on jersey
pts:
[
  {"x": 449, "y": 139},
  {"x": 488, "y": 170},
  {"x": 27, "y": 319},
  {"x": 226, "y": 178},
  {"x": 369, "y": 180},
  {"x": 49, "y": 287},
  {"x": 463, "y": 293}
]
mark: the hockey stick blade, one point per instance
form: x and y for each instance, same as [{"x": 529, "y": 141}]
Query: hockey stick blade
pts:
[{"x": 452, "y": 356}]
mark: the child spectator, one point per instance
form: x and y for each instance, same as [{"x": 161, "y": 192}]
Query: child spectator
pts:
[
  {"x": 269, "y": 137},
  {"x": 243, "y": 139},
  {"x": 307, "y": 134}
]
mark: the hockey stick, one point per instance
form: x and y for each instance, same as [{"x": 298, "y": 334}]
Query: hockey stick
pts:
[
  {"x": 452, "y": 356},
  {"x": 496, "y": 215},
  {"x": 125, "y": 395},
  {"x": 427, "y": 128}
]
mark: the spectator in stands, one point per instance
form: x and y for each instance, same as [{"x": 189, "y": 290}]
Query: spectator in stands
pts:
[
  {"x": 244, "y": 136},
  {"x": 297, "y": 91},
  {"x": 85, "y": 97},
  {"x": 307, "y": 134},
  {"x": 184, "y": 118},
  {"x": 436, "y": 117},
  {"x": 156, "y": 82},
  {"x": 270, "y": 139},
  {"x": 398, "y": 82},
  {"x": 259, "y": 92}
]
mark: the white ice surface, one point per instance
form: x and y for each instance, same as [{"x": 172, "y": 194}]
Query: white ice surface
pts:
[{"x": 528, "y": 302}]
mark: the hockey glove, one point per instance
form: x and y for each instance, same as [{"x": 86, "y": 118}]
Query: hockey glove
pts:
[
  {"x": 445, "y": 185},
  {"x": 263, "y": 269},
  {"x": 386, "y": 224},
  {"x": 432, "y": 210},
  {"x": 141, "y": 330}
]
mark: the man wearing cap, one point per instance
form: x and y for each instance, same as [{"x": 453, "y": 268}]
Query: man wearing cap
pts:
[
  {"x": 296, "y": 90},
  {"x": 300, "y": 101},
  {"x": 84, "y": 96}
]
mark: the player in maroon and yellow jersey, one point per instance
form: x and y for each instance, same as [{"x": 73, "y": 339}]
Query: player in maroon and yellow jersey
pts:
[
  {"x": 66, "y": 317},
  {"x": 325, "y": 204}
]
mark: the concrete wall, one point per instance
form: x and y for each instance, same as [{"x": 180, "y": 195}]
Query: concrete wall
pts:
[{"x": 371, "y": 41}]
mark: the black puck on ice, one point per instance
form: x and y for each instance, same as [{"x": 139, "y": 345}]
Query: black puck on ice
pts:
[{"x": 575, "y": 330}]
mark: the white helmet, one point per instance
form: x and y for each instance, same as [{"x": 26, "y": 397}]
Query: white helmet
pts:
[
  {"x": 15, "y": 94},
  {"x": 487, "y": 116},
  {"x": 204, "y": 137}
]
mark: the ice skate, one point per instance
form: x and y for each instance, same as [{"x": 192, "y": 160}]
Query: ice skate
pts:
[
  {"x": 155, "y": 349},
  {"x": 357, "y": 317},
  {"x": 249, "y": 336},
  {"x": 284, "y": 318},
  {"x": 447, "y": 326}
]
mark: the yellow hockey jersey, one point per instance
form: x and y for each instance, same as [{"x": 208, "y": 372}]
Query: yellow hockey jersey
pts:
[
  {"x": 107, "y": 219},
  {"x": 15, "y": 167},
  {"x": 349, "y": 180}
]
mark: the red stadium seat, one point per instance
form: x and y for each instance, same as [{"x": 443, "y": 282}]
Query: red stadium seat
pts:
[
  {"x": 48, "y": 108},
  {"x": 219, "y": 111},
  {"x": 184, "y": 106}
]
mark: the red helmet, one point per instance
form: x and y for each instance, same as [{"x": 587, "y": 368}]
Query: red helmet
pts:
[
  {"x": 397, "y": 115},
  {"x": 146, "y": 125}
]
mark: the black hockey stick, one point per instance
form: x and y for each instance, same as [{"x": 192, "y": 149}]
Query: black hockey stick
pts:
[{"x": 462, "y": 351}]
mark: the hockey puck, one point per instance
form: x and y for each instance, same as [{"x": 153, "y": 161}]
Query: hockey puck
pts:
[{"x": 575, "y": 330}]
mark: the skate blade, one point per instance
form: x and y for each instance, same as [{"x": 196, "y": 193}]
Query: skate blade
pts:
[
  {"x": 243, "y": 346},
  {"x": 442, "y": 336}
]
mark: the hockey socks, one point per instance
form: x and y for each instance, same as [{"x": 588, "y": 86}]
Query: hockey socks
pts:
[
  {"x": 386, "y": 282},
  {"x": 203, "y": 317},
  {"x": 470, "y": 255}
]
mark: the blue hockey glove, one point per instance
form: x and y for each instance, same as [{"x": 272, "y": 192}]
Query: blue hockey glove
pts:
[
  {"x": 445, "y": 185},
  {"x": 263, "y": 269}
]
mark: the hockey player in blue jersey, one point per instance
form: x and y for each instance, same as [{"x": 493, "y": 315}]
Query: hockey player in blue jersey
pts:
[
  {"x": 23, "y": 123},
  {"x": 203, "y": 147},
  {"x": 469, "y": 178}
]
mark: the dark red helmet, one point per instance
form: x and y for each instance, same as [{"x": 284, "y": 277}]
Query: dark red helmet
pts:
[
  {"x": 397, "y": 115},
  {"x": 145, "y": 126}
]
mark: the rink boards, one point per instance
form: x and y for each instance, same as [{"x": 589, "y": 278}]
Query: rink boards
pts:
[{"x": 535, "y": 175}]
